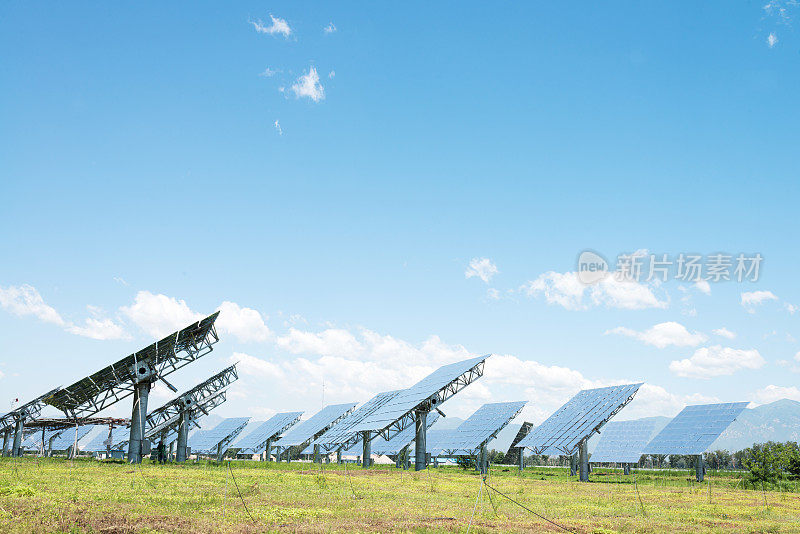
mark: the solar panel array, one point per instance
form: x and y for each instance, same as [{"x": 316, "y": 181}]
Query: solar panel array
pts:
[
  {"x": 67, "y": 438},
  {"x": 29, "y": 410},
  {"x": 342, "y": 432},
  {"x": 409, "y": 399},
  {"x": 256, "y": 441},
  {"x": 480, "y": 427},
  {"x": 694, "y": 429},
  {"x": 623, "y": 442},
  {"x": 300, "y": 434},
  {"x": 207, "y": 440},
  {"x": 119, "y": 435},
  {"x": 579, "y": 418}
]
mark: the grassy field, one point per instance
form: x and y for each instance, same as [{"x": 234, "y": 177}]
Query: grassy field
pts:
[{"x": 58, "y": 495}]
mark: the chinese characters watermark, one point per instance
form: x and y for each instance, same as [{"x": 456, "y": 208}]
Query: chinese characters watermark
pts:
[{"x": 646, "y": 267}]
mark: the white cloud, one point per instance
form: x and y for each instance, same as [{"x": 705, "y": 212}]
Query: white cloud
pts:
[
  {"x": 772, "y": 39},
  {"x": 707, "y": 362},
  {"x": 99, "y": 329},
  {"x": 772, "y": 393},
  {"x": 493, "y": 293},
  {"x": 308, "y": 86},
  {"x": 566, "y": 290},
  {"x": 750, "y": 299},
  {"x": 663, "y": 335},
  {"x": 278, "y": 27},
  {"x": 332, "y": 74},
  {"x": 703, "y": 287},
  {"x": 159, "y": 315},
  {"x": 797, "y": 356},
  {"x": 724, "y": 332},
  {"x": 121, "y": 280},
  {"x": 278, "y": 127},
  {"x": 25, "y": 300},
  {"x": 268, "y": 73},
  {"x": 330, "y": 28},
  {"x": 246, "y": 324},
  {"x": 791, "y": 308},
  {"x": 482, "y": 268}
]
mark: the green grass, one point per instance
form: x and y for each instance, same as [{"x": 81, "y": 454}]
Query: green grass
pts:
[{"x": 57, "y": 495}]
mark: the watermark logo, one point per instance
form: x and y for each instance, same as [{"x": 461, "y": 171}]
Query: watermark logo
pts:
[{"x": 592, "y": 267}]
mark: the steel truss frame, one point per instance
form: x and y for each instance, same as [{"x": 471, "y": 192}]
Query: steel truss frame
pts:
[{"x": 108, "y": 386}]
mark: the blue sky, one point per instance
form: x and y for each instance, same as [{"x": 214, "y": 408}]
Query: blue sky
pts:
[{"x": 145, "y": 181}]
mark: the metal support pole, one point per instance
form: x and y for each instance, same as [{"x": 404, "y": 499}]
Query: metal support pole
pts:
[
  {"x": 316, "y": 454},
  {"x": 288, "y": 455},
  {"x": 138, "y": 420},
  {"x": 483, "y": 459},
  {"x": 420, "y": 446},
  {"x": 366, "y": 457},
  {"x": 171, "y": 450},
  {"x": 583, "y": 460},
  {"x": 339, "y": 456},
  {"x": 16, "y": 448},
  {"x": 573, "y": 465},
  {"x": 700, "y": 468},
  {"x": 6, "y": 439},
  {"x": 184, "y": 420},
  {"x": 268, "y": 451},
  {"x": 108, "y": 441},
  {"x": 521, "y": 459},
  {"x": 220, "y": 452},
  {"x": 626, "y": 469},
  {"x": 50, "y": 445}
]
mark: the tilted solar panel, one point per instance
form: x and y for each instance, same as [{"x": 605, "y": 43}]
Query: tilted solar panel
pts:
[
  {"x": 206, "y": 441},
  {"x": 434, "y": 389},
  {"x": 119, "y": 434},
  {"x": 401, "y": 439},
  {"x": 29, "y": 410},
  {"x": 578, "y": 419},
  {"x": 305, "y": 431},
  {"x": 480, "y": 427},
  {"x": 256, "y": 441},
  {"x": 342, "y": 432},
  {"x": 34, "y": 441},
  {"x": 67, "y": 438},
  {"x": 435, "y": 439},
  {"x": 623, "y": 441},
  {"x": 693, "y": 430}
]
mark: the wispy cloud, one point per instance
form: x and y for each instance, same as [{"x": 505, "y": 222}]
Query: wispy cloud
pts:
[
  {"x": 482, "y": 268},
  {"x": 278, "y": 127},
  {"x": 724, "y": 332},
  {"x": 772, "y": 39},
  {"x": 308, "y": 86},
  {"x": 330, "y": 28},
  {"x": 278, "y": 27},
  {"x": 751, "y": 299},
  {"x": 566, "y": 290},
  {"x": 268, "y": 73}
]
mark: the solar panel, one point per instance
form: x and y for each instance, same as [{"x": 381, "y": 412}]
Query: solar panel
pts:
[
  {"x": 401, "y": 439},
  {"x": 115, "y": 382},
  {"x": 256, "y": 441},
  {"x": 513, "y": 452},
  {"x": 342, "y": 433},
  {"x": 67, "y": 438},
  {"x": 306, "y": 431},
  {"x": 428, "y": 393},
  {"x": 693, "y": 430},
  {"x": 481, "y": 427},
  {"x": 578, "y": 419},
  {"x": 119, "y": 436},
  {"x": 623, "y": 442},
  {"x": 380, "y": 446},
  {"x": 435, "y": 439},
  {"x": 34, "y": 441},
  {"x": 206, "y": 441}
]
